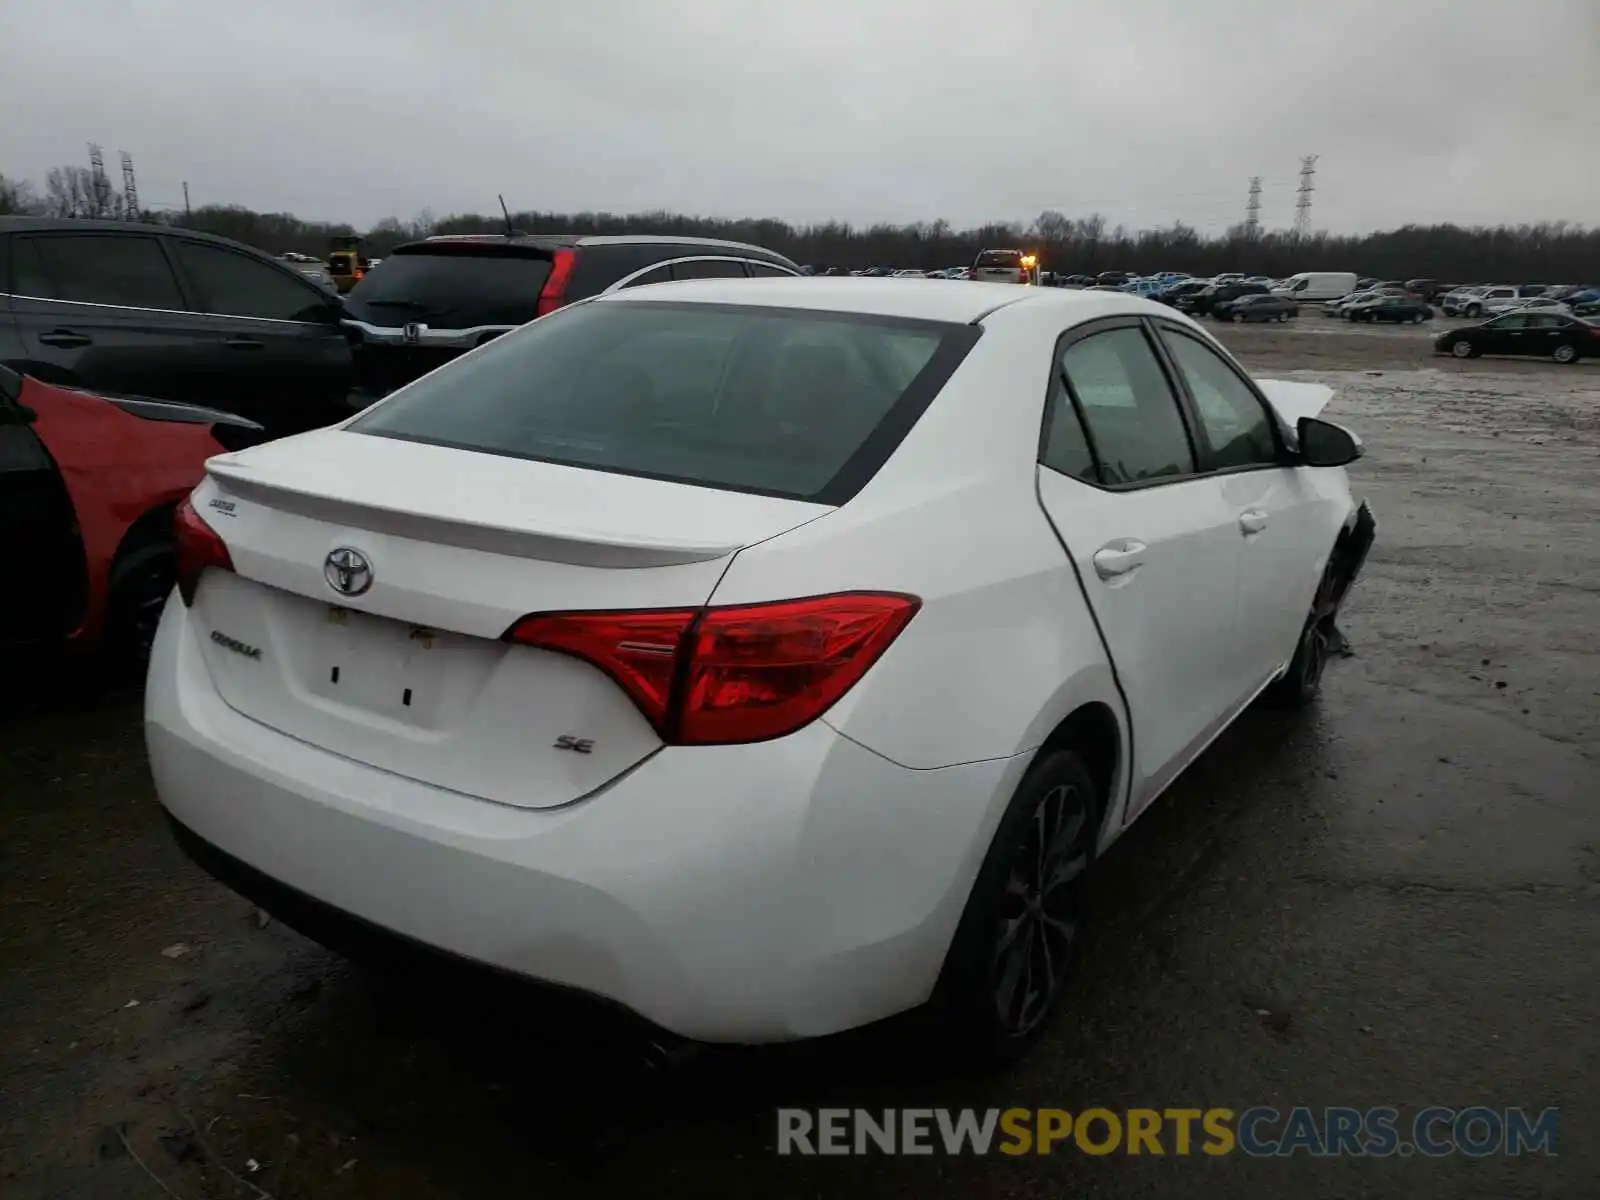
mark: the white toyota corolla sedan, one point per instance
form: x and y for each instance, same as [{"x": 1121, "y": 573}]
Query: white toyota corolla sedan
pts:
[{"x": 767, "y": 657}]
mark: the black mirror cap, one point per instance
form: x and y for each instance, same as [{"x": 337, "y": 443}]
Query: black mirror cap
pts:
[{"x": 1324, "y": 444}]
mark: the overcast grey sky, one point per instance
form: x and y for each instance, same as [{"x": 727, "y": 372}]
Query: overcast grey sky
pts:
[{"x": 1149, "y": 111}]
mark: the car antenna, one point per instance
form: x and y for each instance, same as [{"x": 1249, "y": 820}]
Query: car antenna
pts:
[{"x": 510, "y": 232}]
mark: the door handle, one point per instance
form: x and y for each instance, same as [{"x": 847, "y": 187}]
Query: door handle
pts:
[
  {"x": 1252, "y": 521},
  {"x": 1121, "y": 557},
  {"x": 66, "y": 338},
  {"x": 243, "y": 343}
]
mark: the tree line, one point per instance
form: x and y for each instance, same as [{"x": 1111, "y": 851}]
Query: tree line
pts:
[{"x": 1546, "y": 252}]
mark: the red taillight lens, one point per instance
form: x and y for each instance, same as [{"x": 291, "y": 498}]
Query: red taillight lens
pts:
[
  {"x": 741, "y": 673},
  {"x": 553, "y": 295},
  {"x": 199, "y": 547},
  {"x": 640, "y": 650}
]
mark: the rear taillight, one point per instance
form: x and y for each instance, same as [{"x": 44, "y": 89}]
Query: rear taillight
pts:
[
  {"x": 199, "y": 547},
  {"x": 553, "y": 295},
  {"x": 740, "y": 673}
]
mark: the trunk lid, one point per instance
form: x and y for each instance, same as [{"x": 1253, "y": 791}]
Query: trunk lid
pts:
[{"x": 409, "y": 674}]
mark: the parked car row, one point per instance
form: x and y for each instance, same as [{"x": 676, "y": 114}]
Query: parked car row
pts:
[{"x": 157, "y": 312}]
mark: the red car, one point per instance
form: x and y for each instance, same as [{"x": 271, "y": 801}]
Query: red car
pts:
[{"x": 88, "y": 484}]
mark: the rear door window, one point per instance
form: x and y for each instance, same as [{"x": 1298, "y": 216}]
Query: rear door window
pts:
[
  {"x": 1000, "y": 258},
  {"x": 464, "y": 286},
  {"x": 236, "y": 285},
  {"x": 125, "y": 270},
  {"x": 766, "y": 270},
  {"x": 800, "y": 404}
]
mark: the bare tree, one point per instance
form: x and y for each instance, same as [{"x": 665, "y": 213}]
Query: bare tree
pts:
[
  {"x": 17, "y": 198},
  {"x": 78, "y": 192}
]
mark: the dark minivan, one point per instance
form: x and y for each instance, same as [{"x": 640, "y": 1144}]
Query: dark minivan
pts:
[
  {"x": 153, "y": 311},
  {"x": 431, "y": 301}
]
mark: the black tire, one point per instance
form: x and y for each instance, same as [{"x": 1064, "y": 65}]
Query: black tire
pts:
[
  {"x": 1302, "y": 681},
  {"x": 1456, "y": 348},
  {"x": 1474, "y": 310},
  {"x": 1566, "y": 354},
  {"x": 1024, "y": 915},
  {"x": 141, "y": 579}
]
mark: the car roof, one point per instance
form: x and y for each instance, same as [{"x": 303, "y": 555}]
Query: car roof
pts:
[
  {"x": 556, "y": 241},
  {"x": 955, "y": 301},
  {"x": 75, "y": 225}
]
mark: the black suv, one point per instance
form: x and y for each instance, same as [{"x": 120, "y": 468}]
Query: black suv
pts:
[
  {"x": 147, "y": 310},
  {"x": 430, "y": 301},
  {"x": 1207, "y": 298}
]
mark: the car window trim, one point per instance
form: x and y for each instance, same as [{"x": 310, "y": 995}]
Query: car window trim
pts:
[
  {"x": 672, "y": 262},
  {"x": 184, "y": 290},
  {"x": 176, "y": 312},
  {"x": 160, "y": 240},
  {"x": 196, "y": 292},
  {"x": 1078, "y": 333},
  {"x": 1192, "y": 408}
]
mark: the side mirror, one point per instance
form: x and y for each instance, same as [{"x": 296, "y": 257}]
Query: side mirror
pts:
[{"x": 1324, "y": 444}]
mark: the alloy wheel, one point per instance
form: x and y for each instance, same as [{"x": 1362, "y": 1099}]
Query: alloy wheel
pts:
[
  {"x": 1041, "y": 912},
  {"x": 1462, "y": 349}
]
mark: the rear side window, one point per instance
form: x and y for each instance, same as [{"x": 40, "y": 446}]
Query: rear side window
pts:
[
  {"x": 1135, "y": 428},
  {"x": 661, "y": 274},
  {"x": 708, "y": 268},
  {"x": 466, "y": 285},
  {"x": 236, "y": 285},
  {"x": 124, "y": 270},
  {"x": 767, "y": 270},
  {"x": 791, "y": 403}
]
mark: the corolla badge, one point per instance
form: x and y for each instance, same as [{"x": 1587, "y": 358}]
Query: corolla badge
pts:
[{"x": 347, "y": 571}]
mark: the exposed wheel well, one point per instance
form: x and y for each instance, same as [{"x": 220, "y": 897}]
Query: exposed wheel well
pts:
[
  {"x": 153, "y": 526},
  {"x": 1092, "y": 731}
]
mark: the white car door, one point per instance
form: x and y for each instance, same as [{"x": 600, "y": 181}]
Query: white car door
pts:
[
  {"x": 1272, "y": 504},
  {"x": 1156, "y": 546}
]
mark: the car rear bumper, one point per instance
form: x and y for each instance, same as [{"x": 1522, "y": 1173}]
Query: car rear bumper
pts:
[{"x": 752, "y": 893}]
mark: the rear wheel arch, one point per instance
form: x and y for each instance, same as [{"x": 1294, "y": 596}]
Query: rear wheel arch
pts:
[
  {"x": 1094, "y": 733},
  {"x": 152, "y": 526},
  {"x": 137, "y": 584}
]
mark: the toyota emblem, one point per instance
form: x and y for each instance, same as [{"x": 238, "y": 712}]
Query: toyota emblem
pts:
[{"x": 347, "y": 571}]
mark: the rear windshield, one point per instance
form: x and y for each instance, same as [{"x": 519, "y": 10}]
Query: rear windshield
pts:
[
  {"x": 1000, "y": 258},
  {"x": 780, "y": 402},
  {"x": 462, "y": 286}
]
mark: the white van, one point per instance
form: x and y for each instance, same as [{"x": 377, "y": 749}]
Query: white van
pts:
[{"x": 1317, "y": 285}]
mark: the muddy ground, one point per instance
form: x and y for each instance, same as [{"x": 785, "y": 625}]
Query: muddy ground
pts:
[{"x": 1394, "y": 900}]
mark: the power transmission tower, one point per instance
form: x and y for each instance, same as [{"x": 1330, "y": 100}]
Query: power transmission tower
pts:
[
  {"x": 99, "y": 198},
  {"x": 1302, "y": 204},
  {"x": 130, "y": 190},
  {"x": 1252, "y": 210}
]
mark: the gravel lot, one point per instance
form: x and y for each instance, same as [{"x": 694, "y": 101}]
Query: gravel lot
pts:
[{"x": 1407, "y": 881}]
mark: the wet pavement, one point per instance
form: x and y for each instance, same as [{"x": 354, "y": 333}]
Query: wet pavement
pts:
[{"x": 1394, "y": 900}]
